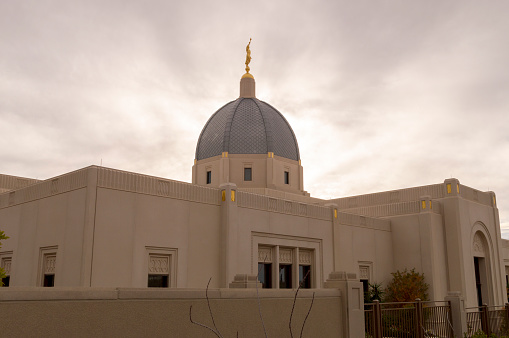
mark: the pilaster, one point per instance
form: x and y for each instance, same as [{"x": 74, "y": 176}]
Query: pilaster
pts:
[
  {"x": 352, "y": 302},
  {"x": 229, "y": 233}
]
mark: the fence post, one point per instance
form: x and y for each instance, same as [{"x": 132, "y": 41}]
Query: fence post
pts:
[
  {"x": 458, "y": 313},
  {"x": 377, "y": 317},
  {"x": 506, "y": 321},
  {"x": 419, "y": 320},
  {"x": 485, "y": 324}
]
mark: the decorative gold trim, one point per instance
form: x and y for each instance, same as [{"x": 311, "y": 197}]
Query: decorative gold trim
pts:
[
  {"x": 335, "y": 213},
  {"x": 423, "y": 204},
  {"x": 449, "y": 188},
  {"x": 232, "y": 195},
  {"x": 458, "y": 187},
  {"x": 223, "y": 195}
]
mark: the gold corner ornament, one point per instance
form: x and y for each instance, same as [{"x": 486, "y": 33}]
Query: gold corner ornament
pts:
[{"x": 248, "y": 56}]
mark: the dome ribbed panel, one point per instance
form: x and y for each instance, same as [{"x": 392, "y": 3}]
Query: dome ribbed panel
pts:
[
  {"x": 247, "y": 126},
  {"x": 210, "y": 143},
  {"x": 284, "y": 142},
  {"x": 247, "y": 134}
]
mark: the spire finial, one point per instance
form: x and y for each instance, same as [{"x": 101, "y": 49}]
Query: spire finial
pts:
[{"x": 248, "y": 56}]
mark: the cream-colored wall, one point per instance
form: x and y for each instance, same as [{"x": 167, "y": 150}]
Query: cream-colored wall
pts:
[
  {"x": 269, "y": 228},
  {"x": 360, "y": 245},
  {"x": 478, "y": 217},
  {"x": 266, "y": 172},
  {"x": 418, "y": 243},
  {"x": 126, "y": 223},
  {"x": 53, "y": 221}
]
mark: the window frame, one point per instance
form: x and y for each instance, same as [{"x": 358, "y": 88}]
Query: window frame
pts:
[
  {"x": 6, "y": 264},
  {"x": 250, "y": 170},
  {"x": 48, "y": 266},
  {"x": 161, "y": 253},
  {"x": 286, "y": 176},
  {"x": 208, "y": 177}
]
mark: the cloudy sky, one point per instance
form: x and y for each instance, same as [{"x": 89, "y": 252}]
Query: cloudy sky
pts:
[{"x": 382, "y": 95}]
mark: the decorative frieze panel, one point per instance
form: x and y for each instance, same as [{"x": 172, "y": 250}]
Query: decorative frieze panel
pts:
[
  {"x": 159, "y": 264},
  {"x": 285, "y": 256},
  {"x": 478, "y": 244},
  {"x": 364, "y": 272},
  {"x": 49, "y": 264},
  {"x": 304, "y": 257},
  {"x": 6, "y": 265},
  {"x": 264, "y": 254}
]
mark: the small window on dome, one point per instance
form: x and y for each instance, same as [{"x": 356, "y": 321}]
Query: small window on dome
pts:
[
  {"x": 287, "y": 177},
  {"x": 209, "y": 177},
  {"x": 248, "y": 174}
]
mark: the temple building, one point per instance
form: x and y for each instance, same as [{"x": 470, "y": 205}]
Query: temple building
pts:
[{"x": 245, "y": 214}]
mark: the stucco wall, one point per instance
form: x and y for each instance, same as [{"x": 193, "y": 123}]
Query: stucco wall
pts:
[
  {"x": 53, "y": 221},
  {"x": 157, "y": 313},
  {"x": 126, "y": 223}
]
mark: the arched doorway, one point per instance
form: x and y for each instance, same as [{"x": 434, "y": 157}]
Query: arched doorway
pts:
[{"x": 480, "y": 250}]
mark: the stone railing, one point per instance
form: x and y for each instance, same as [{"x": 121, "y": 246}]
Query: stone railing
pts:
[
  {"x": 150, "y": 185},
  {"x": 363, "y": 221},
  {"x": 53, "y": 186},
  {"x": 388, "y": 197}
]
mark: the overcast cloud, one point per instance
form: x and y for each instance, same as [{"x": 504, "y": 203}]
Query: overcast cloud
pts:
[{"x": 381, "y": 95}]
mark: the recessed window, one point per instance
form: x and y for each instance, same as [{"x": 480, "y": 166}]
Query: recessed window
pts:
[
  {"x": 265, "y": 275},
  {"x": 248, "y": 174},
  {"x": 6, "y": 265},
  {"x": 285, "y": 276},
  {"x": 48, "y": 266},
  {"x": 209, "y": 177},
  {"x": 49, "y": 280},
  {"x": 158, "y": 281},
  {"x": 305, "y": 276},
  {"x": 287, "y": 177}
]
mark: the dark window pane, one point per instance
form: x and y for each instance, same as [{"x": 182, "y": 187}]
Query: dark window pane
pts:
[
  {"x": 6, "y": 281},
  {"x": 49, "y": 280},
  {"x": 287, "y": 177},
  {"x": 305, "y": 276},
  {"x": 157, "y": 281},
  {"x": 285, "y": 276},
  {"x": 209, "y": 177},
  {"x": 247, "y": 174},
  {"x": 265, "y": 274}
]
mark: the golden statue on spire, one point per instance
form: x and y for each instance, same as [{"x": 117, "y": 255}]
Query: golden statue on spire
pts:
[{"x": 248, "y": 56}]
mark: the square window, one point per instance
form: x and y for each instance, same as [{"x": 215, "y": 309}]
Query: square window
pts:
[
  {"x": 265, "y": 275},
  {"x": 248, "y": 174},
  {"x": 287, "y": 177},
  {"x": 161, "y": 267},
  {"x": 209, "y": 177},
  {"x": 285, "y": 276},
  {"x": 49, "y": 281},
  {"x": 158, "y": 281},
  {"x": 305, "y": 276}
]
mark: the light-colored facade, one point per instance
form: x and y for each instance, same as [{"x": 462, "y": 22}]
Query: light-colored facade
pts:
[{"x": 246, "y": 213}]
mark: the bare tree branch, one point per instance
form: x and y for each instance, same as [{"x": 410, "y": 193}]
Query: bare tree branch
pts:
[
  {"x": 294, "y": 300},
  {"x": 216, "y": 331},
  {"x": 258, "y": 297},
  {"x": 199, "y": 324},
  {"x": 309, "y": 311},
  {"x": 210, "y": 310}
]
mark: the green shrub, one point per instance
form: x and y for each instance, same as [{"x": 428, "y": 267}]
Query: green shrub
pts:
[{"x": 407, "y": 286}]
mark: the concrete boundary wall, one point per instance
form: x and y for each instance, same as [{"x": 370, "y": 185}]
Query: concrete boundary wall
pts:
[{"x": 61, "y": 312}]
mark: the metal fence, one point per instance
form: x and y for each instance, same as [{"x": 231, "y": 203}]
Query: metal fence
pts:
[
  {"x": 488, "y": 319},
  {"x": 411, "y": 319}
]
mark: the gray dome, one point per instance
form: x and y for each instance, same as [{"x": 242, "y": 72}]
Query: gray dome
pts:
[{"x": 247, "y": 126}]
